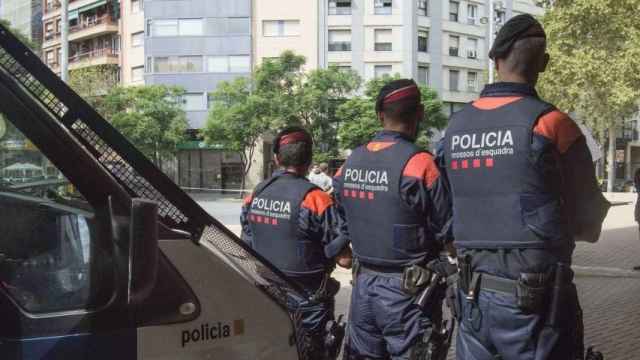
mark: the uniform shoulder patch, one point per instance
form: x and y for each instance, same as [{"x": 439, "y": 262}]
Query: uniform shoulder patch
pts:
[
  {"x": 422, "y": 166},
  {"x": 559, "y": 128},
  {"x": 317, "y": 201},
  {"x": 375, "y": 146},
  {"x": 490, "y": 102}
]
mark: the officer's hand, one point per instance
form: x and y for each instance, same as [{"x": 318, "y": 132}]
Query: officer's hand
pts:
[{"x": 345, "y": 258}]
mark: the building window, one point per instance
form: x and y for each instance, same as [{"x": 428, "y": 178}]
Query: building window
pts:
[
  {"x": 423, "y": 74},
  {"x": 137, "y": 39},
  {"x": 218, "y": 64},
  {"x": 177, "y": 27},
  {"x": 381, "y": 70},
  {"x": 274, "y": 28},
  {"x": 194, "y": 102},
  {"x": 383, "y": 40},
  {"x": 240, "y": 64},
  {"x": 226, "y": 64},
  {"x": 339, "y": 7},
  {"x": 237, "y": 26},
  {"x": 339, "y": 40},
  {"x": 454, "y": 45},
  {"x": 454, "y": 76},
  {"x": 454, "y": 7},
  {"x": 423, "y": 41},
  {"x": 177, "y": 64},
  {"x": 423, "y": 7},
  {"x": 190, "y": 27},
  {"x": 136, "y": 6},
  {"x": 472, "y": 48},
  {"x": 472, "y": 81},
  {"x": 472, "y": 14},
  {"x": 50, "y": 58},
  {"x": 340, "y": 66},
  {"x": 383, "y": 7},
  {"x": 137, "y": 73},
  {"x": 164, "y": 27}
]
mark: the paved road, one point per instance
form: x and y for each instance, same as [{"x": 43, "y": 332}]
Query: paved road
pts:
[{"x": 610, "y": 299}]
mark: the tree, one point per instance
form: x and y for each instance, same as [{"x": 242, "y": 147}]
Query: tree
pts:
[
  {"x": 151, "y": 117},
  {"x": 359, "y": 121},
  {"x": 278, "y": 94},
  {"x": 93, "y": 83},
  {"x": 238, "y": 119},
  {"x": 21, "y": 36},
  {"x": 595, "y": 64}
]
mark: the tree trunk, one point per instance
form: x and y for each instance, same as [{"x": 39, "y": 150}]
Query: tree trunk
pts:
[{"x": 611, "y": 159}]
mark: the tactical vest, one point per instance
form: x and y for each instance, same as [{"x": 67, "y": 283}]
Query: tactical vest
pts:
[
  {"x": 273, "y": 218},
  {"x": 504, "y": 179},
  {"x": 383, "y": 229}
]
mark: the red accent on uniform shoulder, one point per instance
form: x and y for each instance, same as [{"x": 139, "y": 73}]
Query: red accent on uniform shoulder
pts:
[
  {"x": 559, "y": 128},
  {"x": 379, "y": 145},
  {"x": 339, "y": 172},
  {"x": 423, "y": 167},
  {"x": 490, "y": 103},
  {"x": 317, "y": 201},
  {"x": 247, "y": 200}
]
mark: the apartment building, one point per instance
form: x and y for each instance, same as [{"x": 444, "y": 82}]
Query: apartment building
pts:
[
  {"x": 132, "y": 39},
  {"x": 24, "y": 15},
  {"x": 93, "y": 34},
  {"x": 440, "y": 43},
  {"x": 196, "y": 44}
]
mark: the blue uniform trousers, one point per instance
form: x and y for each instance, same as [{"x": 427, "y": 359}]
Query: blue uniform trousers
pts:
[
  {"x": 383, "y": 322},
  {"x": 493, "y": 327}
]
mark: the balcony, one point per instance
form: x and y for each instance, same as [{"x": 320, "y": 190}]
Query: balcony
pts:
[
  {"x": 91, "y": 27},
  {"x": 94, "y": 57}
]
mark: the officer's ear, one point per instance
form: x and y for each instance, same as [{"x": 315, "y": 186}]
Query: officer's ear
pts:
[
  {"x": 545, "y": 62},
  {"x": 276, "y": 160}
]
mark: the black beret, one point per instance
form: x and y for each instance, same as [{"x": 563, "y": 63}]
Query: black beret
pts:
[
  {"x": 518, "y": 27},
  {"x": 392, "y": 87}
]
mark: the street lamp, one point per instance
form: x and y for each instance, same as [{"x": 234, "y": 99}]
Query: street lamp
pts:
[{"x": 494, "y": 24}]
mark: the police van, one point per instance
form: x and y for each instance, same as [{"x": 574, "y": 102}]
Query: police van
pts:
[{"x": 113, "y": 260}]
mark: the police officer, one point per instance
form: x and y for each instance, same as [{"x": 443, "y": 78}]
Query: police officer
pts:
[
  {"x": 524, "y": 190},
  {"x": 396, "y": 207},
  {"x": 293, "y": 224}
]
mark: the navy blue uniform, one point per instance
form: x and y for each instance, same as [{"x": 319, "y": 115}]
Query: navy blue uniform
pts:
[
  {"x": 524, "y": 190},
  {"x": 294, "y": 225},
  {"x": 397, "y": 211}
]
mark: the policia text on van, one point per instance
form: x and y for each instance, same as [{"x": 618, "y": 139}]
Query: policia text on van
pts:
[{"x": 117, "y": 262}]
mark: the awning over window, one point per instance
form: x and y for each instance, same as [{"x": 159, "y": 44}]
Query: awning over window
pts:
[{"x": 92, "y": 6}]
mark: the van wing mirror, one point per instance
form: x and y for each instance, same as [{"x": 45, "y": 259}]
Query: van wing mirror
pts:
[{"x": 143, "y": 249}]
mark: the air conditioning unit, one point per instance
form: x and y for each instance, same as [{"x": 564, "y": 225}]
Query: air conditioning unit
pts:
[
  {"x": 471, "y": 21},
  {"x": 472, "y": 54}
]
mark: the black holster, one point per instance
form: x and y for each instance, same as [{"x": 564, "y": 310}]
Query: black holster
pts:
[{"x": 334, "y": 336}]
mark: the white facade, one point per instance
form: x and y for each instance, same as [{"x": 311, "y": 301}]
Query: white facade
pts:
[{"x": 374, "y": 37}]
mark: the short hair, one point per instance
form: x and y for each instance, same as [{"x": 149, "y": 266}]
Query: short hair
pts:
[
  {"x": 296, "y": 153},
  {"x": 525, "y": 55}
]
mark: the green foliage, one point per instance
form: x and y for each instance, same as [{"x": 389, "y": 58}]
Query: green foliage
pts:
[
  {"x": 595, "y": 60},
  {"x": 22, "y": 37},
  {"x": 279, "y": 94},
  {"x": 359, "y": 121},
  {"x": 93, "y": 83},
  {"x": 151, "y": 117}
]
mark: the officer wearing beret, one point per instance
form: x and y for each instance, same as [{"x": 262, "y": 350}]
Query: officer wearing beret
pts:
[
  {"x": 397, "y": 211},
  {"x": 294, "y": 225},
  {"x": 524, "y": 191}
]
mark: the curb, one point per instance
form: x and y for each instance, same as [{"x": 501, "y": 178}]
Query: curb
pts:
[{"x": 595, "y": 271}]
